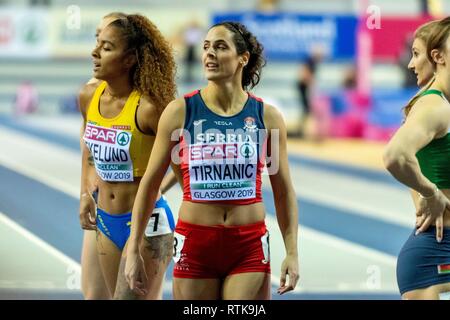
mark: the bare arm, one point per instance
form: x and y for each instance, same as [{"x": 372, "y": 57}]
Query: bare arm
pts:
[
  {"x": 284, "y": 195},
  {"x": 148, "y": 118},
  {"x": 171, "y": 120},
  {"x": 427, "y": 120},
  {"x": 88, "y": 174},
  {"x": 168, "y": 182}
]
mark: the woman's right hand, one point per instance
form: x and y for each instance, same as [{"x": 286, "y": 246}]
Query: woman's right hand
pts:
[
  {"x": 88, "y": 212},
  {"x": 135, "y": 272},
  {"x": 432, "y": 210}
]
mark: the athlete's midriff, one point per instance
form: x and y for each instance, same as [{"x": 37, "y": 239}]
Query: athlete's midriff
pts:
[
  {"x": 210, "y": 214},
  {"x": 117, "y": 197}
]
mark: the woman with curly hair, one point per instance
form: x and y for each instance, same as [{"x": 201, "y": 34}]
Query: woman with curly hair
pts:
[
  {"x": 221, "y": 240},
  {"x": 92, "y": 283},
  {"x": 121, "y": 112}
]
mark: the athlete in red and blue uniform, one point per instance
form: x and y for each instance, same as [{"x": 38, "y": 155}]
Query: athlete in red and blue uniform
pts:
[{"x": 216, "y": 139}]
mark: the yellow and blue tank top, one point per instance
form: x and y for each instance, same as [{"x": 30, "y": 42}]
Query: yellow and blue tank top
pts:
[
  {"x": 119, "y": 148},
  {"x": 434, "y": 158},
  {"x": 223, "y": 156}
]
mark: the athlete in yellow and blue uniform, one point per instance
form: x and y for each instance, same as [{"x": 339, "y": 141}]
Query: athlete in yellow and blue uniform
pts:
[
  {"x": 121, "y": 114},
  {"x": 120, "y": 151}
]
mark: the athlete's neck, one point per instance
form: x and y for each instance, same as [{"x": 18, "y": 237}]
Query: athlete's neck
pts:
[
  {"x": 119, "y": 88},
  {"x": 442, "y": 83},
  {"x": 227, "y": 98}
]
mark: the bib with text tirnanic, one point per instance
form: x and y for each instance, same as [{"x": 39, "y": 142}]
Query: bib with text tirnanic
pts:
[{"x": 224, "y": 170}]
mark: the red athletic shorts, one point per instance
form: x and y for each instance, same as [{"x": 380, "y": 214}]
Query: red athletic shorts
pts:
[{"x": 204, "y": 252}]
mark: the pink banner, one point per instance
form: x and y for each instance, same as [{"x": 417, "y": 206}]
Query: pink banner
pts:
[{"x": 389, "y": 41}]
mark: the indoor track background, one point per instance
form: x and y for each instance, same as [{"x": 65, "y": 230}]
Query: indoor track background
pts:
[
  {"x": 352, "y": 219},
  {"x": 353, "y": 216}
]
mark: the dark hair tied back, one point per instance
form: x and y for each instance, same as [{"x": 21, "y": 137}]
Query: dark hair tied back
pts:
[{"x": 244, "y": 41}]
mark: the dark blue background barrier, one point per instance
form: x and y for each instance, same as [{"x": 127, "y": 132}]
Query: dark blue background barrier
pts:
[{"x": 292, "y": 36}]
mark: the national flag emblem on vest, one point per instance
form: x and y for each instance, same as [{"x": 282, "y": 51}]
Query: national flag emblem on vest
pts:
[
  {"x": 249, "y": 124},
  {"x": 444, "y": 268}
]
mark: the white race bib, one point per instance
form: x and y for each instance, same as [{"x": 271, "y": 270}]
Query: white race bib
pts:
[
  {"x": 223, "y": 171},
  {"x": 110, "y": 149}
]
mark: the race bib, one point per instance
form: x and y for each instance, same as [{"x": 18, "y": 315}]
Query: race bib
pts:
[
  {"x": 158, "y": 223},
  {"x": 110, "y": 149},
  {"x": 223, "y": 171}
]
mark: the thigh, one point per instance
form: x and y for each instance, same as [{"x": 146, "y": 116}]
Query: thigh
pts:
[
  {"x": 196, "y": 289},
  {"x": 92, "y": 281},
  {"x": 247, "y": 286},
  {"x": 156, "y": 252},
  {"x": 109, "y": 256},
  {"x": 430, "y": 293}
]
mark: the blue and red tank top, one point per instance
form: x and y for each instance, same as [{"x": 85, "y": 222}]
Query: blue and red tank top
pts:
[{"x": 222, "y": 157}]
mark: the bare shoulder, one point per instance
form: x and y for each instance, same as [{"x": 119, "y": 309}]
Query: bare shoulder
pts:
[
  {"x": 431, "y": 108},
  {"x": 148, "y": 115},
  {"x": 429, "y": 104},
  {"x": 147, "y": 104},
  {"x": 150, "y": 119},
  {"x": 431, "y": 114},
  {"x": 85, "y": 95},
  {"x": 93, "y": 81},
  {"x": 175, "y": 112},
  {"x": 273, "y": 118}
]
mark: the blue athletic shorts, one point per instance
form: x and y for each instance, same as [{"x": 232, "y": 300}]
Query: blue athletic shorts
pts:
[
  {"x": 117, "y": 226},
  {"x": 423, "y": 261}
]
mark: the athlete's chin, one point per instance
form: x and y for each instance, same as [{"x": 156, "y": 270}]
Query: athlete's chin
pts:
[
  {"x": 420, "y": 82},
  {"x": 99, "y": 75},
  {"x": 213, "y": 73},
  {"x": 96, "y": 74},
  {"x": 214, "y": 77},
  {"x": 211, "y": 76}
]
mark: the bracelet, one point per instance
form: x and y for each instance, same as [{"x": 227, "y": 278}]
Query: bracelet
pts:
[{"x": 436, "y": 190}]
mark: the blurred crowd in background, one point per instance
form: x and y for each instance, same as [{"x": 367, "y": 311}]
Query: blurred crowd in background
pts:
[{"x": 336, "y": 68}]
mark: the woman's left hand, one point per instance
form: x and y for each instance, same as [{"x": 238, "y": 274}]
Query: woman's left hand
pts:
[{"x": 289, "y": 267}]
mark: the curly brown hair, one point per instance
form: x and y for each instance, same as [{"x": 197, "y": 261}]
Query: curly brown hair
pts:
[
  {"x": 154, "y": 73},
  {"x": 244, "y": 41}
]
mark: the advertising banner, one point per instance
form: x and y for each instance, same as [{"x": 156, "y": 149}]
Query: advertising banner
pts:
[
  {"x": 292, "y": 36},
  {"x": 24, "y": 33}
]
